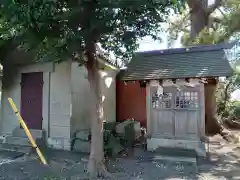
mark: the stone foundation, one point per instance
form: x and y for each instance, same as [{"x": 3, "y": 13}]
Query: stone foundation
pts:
[
  {"x": 154, "y": 143},
  {"x": 59, "y": 143}
]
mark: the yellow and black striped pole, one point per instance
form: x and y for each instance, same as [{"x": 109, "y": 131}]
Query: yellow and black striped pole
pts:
[{"x": 29, "y": 135}]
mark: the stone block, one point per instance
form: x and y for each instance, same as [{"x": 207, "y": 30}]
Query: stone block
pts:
[
  {"x": 154, "y": 143},
  {"x": 59, "y": 143},
  {"x": 18, "y": 141},
  {"x": 15, "y": 148},
  {"x": 83, "y": 134},
  {"x": 81, "y": 146},
  {"x": 120, "y": 128}
]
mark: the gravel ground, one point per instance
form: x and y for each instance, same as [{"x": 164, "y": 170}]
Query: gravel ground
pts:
[{"x": 72, "y": 166}]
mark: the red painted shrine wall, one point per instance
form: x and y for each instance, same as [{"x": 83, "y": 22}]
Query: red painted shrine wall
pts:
[{"x": 131, "y": 102}]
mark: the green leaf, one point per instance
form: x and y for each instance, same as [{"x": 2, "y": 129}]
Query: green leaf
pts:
[{"x": 67, "y": 25}]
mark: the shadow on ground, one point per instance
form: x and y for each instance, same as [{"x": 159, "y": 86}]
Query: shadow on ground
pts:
[
  {"x": 141, "y": 166},
  {"x": 220, "y": 166}
]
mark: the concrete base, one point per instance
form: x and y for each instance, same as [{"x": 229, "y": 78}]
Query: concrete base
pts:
[
  {"x": 15, "y": 148},
  {"x": 18, "y": 132},
  {"x": 18, "y": 140},
  {"x": 15, "y": 144},
  {"x": 59, "y": 143},
  {"x": 80, "y": 141},
  {"x": 154, "y": 143},
  {"x": 22, "y": 141}
]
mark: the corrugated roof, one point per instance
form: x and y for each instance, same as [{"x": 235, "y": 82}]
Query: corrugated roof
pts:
[{"x": 200, "y": 61}]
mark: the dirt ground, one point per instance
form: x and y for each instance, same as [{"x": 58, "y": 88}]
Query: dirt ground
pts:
[{"x": 223, "y": 164}]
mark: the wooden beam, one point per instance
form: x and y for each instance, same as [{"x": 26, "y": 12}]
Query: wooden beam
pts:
[{"x": 212, "y": 81}]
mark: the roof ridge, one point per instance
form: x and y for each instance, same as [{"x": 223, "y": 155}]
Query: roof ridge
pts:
[{"x": 190, "y": 49}]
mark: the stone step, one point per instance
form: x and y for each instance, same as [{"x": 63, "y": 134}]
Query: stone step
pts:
[
  {"x": 22, "y": 141},
  {"x": 19, "y": 144},
  {"x": 18, "y": 132},
  {"x": 176, "y": 152},
  {"x": 15, "y": 148},
  {"x": 176, "y": 159}
]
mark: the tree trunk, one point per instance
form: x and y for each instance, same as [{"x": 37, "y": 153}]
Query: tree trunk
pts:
[
  {"x": 212, "y": 124},
  {"x": 198, "y": 16},
  {"x": 96, "y": 165},
  {"x": 226, "y": 96},
  {"x": 199, "y": 20}
]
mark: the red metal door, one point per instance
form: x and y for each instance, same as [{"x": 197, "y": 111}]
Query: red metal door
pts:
[{"x": 31, "y": 99}]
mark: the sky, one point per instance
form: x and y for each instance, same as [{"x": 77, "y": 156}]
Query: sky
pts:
[
  {"x": 236, "y": 95},
  {"x": 148, "y": 44}
]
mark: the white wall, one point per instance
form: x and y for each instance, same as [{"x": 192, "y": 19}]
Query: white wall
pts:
[
  {"x": 60, "y": 106},
  {"x": 81, "y": 95},
  {"x": 80, "y": 98}
]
